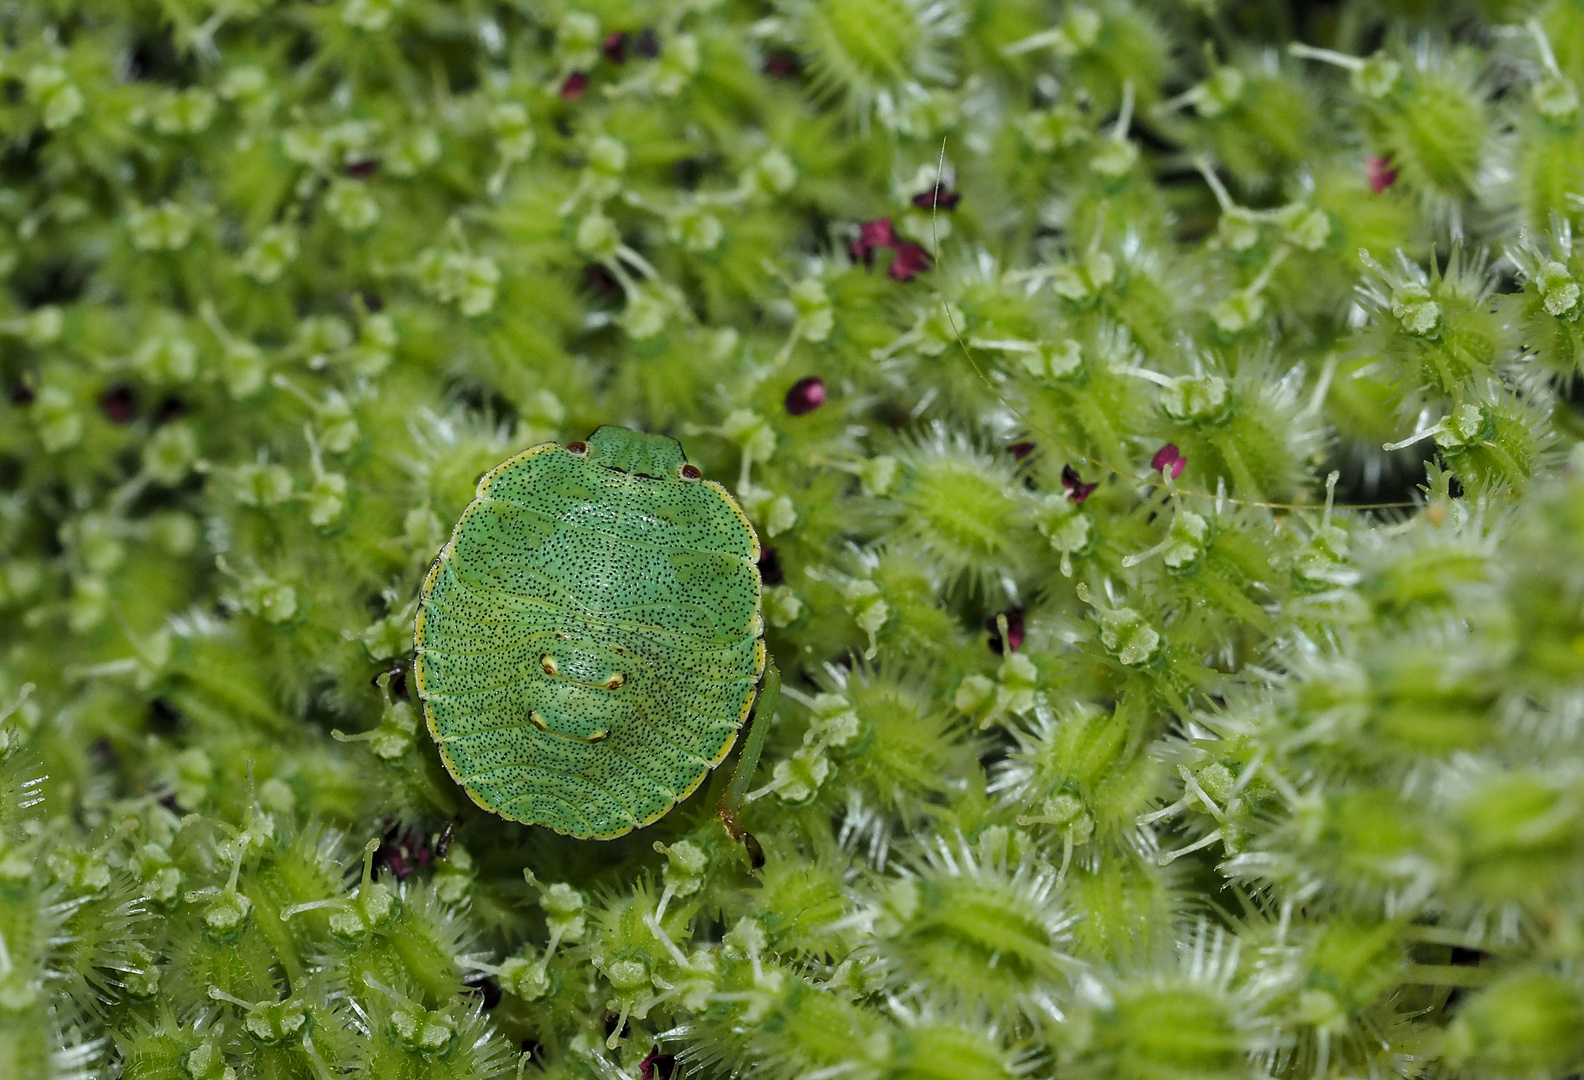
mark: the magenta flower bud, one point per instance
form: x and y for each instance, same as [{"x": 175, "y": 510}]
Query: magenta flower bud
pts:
[
  {"x": 657, "y": 1066},
  {"x": 600, "y": 280},
  {"x": 781, "y": 65},
  {"x": 1020, "y": 450},
  {"x": 573, "y": 87},
  {"x": 1381, "y": 174},
  {"x": 806, "y": 395},
  {"x": 119, "y": 404},
  {"x": 615, "y": 47},
  {"x": 362, "y": 168},
  {"x": 871, "y": 235},
  {"x": 1074, "y": 486},
  {"x": 1168, "y": 457},
  {"x": 939, "y": 196},
  {"x": 403, "y": 852},
  {"x": 911, "y": 260},
  {"x": 877, "y": 233},
  {"x": 1014, "y": 621}
]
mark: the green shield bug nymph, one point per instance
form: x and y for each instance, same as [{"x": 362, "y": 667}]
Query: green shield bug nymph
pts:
[{"x": 590, "y": 641}]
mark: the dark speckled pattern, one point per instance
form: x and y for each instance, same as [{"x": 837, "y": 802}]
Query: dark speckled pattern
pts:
[{"x": 620, "y": 610}]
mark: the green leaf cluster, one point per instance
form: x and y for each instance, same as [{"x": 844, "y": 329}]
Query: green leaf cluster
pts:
[{"x": 1161, "y": 418}]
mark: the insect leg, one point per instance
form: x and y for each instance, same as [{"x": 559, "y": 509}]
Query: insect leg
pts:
[
  {"x": 538, "y": 722},
  {"x": 758, "y": 727}
]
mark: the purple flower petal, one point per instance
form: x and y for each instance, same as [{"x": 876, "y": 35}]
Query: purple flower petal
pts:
[
  {"x": 119, "y": 403},
  {"x": 939, "y": 196},
  {"x": 911, "y": 260},
  {"x": 1170, "y": 457},
  {"x": 1074, "y": 486},
  {"x": 1381, "y": 174},
  {"x": 1014, "y": 621},
  {"x": 781, "y": 65}
]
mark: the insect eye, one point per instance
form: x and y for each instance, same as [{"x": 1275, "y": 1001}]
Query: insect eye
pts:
[
  {"x": 690, "y": 472},
  {"x": 578, "y": 447}
]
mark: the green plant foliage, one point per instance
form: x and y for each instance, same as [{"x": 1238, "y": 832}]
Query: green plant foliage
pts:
[{"x": 1161, "y": 421}]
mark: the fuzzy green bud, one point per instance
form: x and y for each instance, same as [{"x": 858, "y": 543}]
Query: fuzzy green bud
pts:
[
  {"x": 797, "y": 779},
  {"x": 274, "y": 1023},
  {"x": 1238, "y": 229},
  {"x": 876, "y": 475},
  {"x": 750, "y": 431},
  {"x": 1082, "y": 281},
  {"x": 695, "y": 228},
  {"x": 184, "y": 112},
  {"x": 514, "y": 134},
  {"x": 835, "y": 722},
  {"x": 563, "y": 907},
  {"x": 815, "y": 315},
  {"x": 469, "y": 281},
  {"x": 677, "y": 65},
  {"x": 1220, "y": 92},
  {"x": 524, "y": 978},
  {"x": 273, "y": 601},
  {"x": 166, "y": 358},
  {"x": 57, "y": 419},
  {"x": 41, "y": 326},
  {"x": 1155, "y": 1031},
  {"x": 170, "y": 454},
  {"x": 455, "y": 874},
  {"x": 1128, "y": 636},
  {"x": 772, "y": 173},
  {"x": 1466, "y": 424},
  {"x": 1555, "y": 98},
  {"x": 226, "y": 915},
  {"x": 597, "y": 236},
  {"x": 370, "y": 16},
  {"x": 782, "y": 606},
  {"x": 1307, "y": 227},
  {"x": 1114, "y": 158},
  {"x": 57, "y": 97},
  {"x": 684, "y": 869},
  {"x": 1053, "y": 360},
  {"x": 578, "y": 39},
  {"x": 206, "y": 1061},
  {"x": 427, "y": 1032},
  {"x": 165, "y": 227},
  {"x": 411, "y": 151},
  {"x": 1238, "y": 312},
  {"x": 1529, "y": 1023},
  {"x": 261, "y": 485},
  {"x": 607, "y": 161},
  {"x": 1377, "y": 76},
  {"x": 1559, "y": 291},
  {"x": 352, "y": 206},
  {"x": 1196, "y": 398}
]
